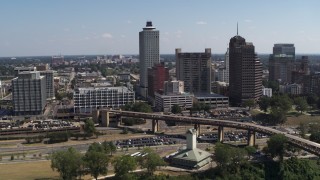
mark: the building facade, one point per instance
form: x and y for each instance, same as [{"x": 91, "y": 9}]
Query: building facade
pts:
[
  {"x": 245, "y": 77},
  {"x": 173, "y": 87},
  {"x": 213, "y": 100},
  {"x": 88, "y": 99},
  {"x": 223, "y": 73},
  {"x": 49, "y": 83},
  {"x": 29, "y": 93},
  {"x": 195, "y": 70},
  {"x": 267, "y": 92},
  {"x": 165, "y": 102},
  {"x": 157, "y": 75},
  {"x": 148, "y": 54}
]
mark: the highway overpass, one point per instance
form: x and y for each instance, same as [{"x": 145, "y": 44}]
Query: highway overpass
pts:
[{"x": 307, "y": 145}]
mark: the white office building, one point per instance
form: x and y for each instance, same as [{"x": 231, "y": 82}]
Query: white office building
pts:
[
  {"x": 267, "y": 92},
  {"x": 148, "y": 53},
  {"x": 223, "y": 73},
  {"x": 165, "y": 102},
  {"x": 173, "y": 87},
  {"x": 88, "y": 99},
  {"x": 49, "y": 83}
]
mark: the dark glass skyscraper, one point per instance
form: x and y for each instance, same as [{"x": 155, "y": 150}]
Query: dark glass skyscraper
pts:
[{"x": 245, "y": 73}]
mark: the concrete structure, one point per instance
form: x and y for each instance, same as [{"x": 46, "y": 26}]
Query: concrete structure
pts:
[
  {"x": 165, "y": 102},
  {"x": 219, "y": 87},
  {"x": 292, "y": 139},
  {"x": 245, "y": 80},
  {"x": 124, "y": 76},
  {"x": 213, "y": 100},
  {"x": 267, "y": 92},
  {"x": 173, "y": 87},
  {"x": 157, "y": 75},
  {"x": 195, "y": 70},
  {"x": 18, "y": 70},
  {"x": 48, "y": 74},
  {"x": 148, "y": 54},
  {"x": 192, "y": 157},
  {"x": 88, "y": 99},
  {"x": 29, "y": 93},
  {"x": 223, "y": 73},
  {"x": 294, "y": 89},
  {"x": 57, "y": 60},
  {"x": 312, "y": 84}
]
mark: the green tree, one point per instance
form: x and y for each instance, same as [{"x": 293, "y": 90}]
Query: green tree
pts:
[
  {"x": 301, "y": 104},
  {"x": 123, "y": 165},
  {"x": 315, "y": 137},
  {"x": 303, "y": 129},
  {"x": 282, "y": 102},
  {"x": 68, "y": 163},
  {"x": 89, "y": 127},
  {"x": 264, "y": 103},
  {"x": 250, "y": 150},
  {"x": 109, "y": 147},
  {"x": 248, "y": 103},
  {"x": 97, "y": 162},
  {"x": 312, "y": 99},
  {"x": 295, "y": 168},
  {"x": 150, "y": 161},
  {"x": 176, "y": 109},
  {"x": 138, "y": 107},
  {"x": 277, "y": 145},
  {"x": 277, "y": 116}
]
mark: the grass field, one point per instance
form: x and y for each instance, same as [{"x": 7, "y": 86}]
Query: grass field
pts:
[{"x": 28, "y": 170}]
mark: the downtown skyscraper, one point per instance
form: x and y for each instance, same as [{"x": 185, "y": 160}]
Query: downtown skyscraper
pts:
[
  {"x": 281, "y": 63},
  {"x": 148, "y": 53},
  {"x": 245, "y": 78}
]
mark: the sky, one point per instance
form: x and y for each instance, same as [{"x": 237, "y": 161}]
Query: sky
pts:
[{"x": 83, "y": 27}]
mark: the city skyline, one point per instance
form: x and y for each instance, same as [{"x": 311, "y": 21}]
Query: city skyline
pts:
[{"x": 32, "y": 28}]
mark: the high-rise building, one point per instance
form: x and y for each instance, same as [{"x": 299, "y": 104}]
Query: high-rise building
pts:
[
  {"x": 223, "y": 73},
  {"x": 195, "y": 70},
  {"x": 157, "y": 75},
  {"x": 245, "y": 80},
  {"x": 148, "y": 54},
  {"x": 281, "y": 63},
  {"x": 49, "y": 82},
  {"x": 29, "y": 93}
]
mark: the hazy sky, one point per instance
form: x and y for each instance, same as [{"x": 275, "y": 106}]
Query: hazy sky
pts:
[{"x": 43, "y": 27}]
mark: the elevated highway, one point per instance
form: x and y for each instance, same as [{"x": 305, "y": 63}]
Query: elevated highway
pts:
[{"x": 307, "y": 145}]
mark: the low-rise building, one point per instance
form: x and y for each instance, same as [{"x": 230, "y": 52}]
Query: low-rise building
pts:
[
  {"x": 294, "y": 89},
  {"x": 191, "y": 157},
  {"x": 213, "y": 100},
  {"x": 165, "y": 102},
  {"x": 267, "y": 92},
  {"x": 88, "y": 99}
]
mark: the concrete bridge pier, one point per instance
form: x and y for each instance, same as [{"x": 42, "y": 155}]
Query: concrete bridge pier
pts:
[
  {"x": 197, "y": 127},
  {"x": 251, "y": 138},
  {"x": 155, "y": 126},
  {"x": 220, "y": 134},
  {"x": 105, "y": 117}
]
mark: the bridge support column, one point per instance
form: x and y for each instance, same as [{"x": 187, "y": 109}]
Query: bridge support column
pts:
[
  {"x": 220, "y": 134},
  {"x": 197, "y": 127},
  {"x": 251, "y": 138},
  {"x": 155, "y": 126},
  {"x": 105, "y": 117}
]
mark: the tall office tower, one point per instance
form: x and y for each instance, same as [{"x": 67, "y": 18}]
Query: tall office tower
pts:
[
  {"x": 148, "y": 54},
  {"x": 29, "y": 93},
  {"x": 287, "y": 49},
  {"x": 245, "y": 80},
  {"x": 49, "y": 83},
  {"x": 157, "y": 75},
  {"x": 281, "y": 63},
  {"x": 223, "y": 73},
  {"x": 195, "y": 70}
]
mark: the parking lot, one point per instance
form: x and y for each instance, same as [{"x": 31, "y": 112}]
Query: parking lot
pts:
[{"x": 151, "y": 141}]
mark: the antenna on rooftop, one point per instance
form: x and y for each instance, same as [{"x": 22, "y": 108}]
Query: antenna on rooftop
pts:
[{"x": 237, "y": 28}]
